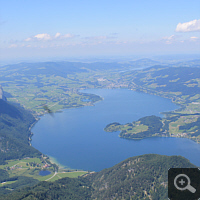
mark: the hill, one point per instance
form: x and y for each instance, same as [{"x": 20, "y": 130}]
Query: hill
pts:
[
  {"x": 181, "y": 85},
  {"x": 145, "y": 62},
  {"x": 139, "y": 177},
  {"x": 15, "y": 133},
  {"x": 62, "y": 69},
  {"x": 171, "y": 79}
]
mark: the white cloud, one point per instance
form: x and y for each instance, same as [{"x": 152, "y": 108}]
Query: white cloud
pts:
[
  {"x": 43, "y": 36},
  {"x": 193, "y": 37},
  {"x": 47, "y": 37},
  {"x": 169, "y": 39},
  {"x": 189, "y": 26},
  {"x": 67, "y": 36},
  {"x": 28, "y": 39},
  {"x": 57, "y": 35}
]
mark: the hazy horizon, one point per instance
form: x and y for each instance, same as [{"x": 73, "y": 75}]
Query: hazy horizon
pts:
[{"x": 47, "y": 30}]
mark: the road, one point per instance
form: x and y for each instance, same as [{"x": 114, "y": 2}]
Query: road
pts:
[{"x": 51, "y": 177}]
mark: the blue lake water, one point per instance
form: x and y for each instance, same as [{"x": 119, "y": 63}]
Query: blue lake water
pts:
[
  {"x": 44, "y": 173},
  {"x": 76, "y": 139}
]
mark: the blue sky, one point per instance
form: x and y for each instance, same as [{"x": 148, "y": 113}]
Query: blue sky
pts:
[{"x": 46, "y": 28}]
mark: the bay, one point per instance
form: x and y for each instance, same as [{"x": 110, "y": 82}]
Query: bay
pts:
[{"x": 76, "y": 139}]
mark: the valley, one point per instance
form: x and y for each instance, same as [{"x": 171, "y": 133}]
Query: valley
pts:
[{"x": 33, "y": 86}]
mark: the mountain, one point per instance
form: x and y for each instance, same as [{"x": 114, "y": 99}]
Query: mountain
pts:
[
  {"x": 14, "y": 132},
  {"x": 62, "y": 69},
  {"x": 177, "y": 80},
  {"x": 145, "y": 61},
  {"x": 9, "y": 110},
  {"x": 43, "y": 68},
  {"x": 139, "y": 177},
  {"x": 191, "y": 63}
]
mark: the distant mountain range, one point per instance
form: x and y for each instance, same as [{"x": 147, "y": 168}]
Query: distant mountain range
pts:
[{"x": 63, "y": 68}]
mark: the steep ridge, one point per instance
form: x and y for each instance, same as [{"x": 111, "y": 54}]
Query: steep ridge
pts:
[{"x": 14, "y": 132}]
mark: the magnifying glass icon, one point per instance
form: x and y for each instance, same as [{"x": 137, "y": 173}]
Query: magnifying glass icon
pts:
[{"x": 182, "y": 182}]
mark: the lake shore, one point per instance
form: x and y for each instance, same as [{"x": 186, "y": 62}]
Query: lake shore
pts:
[
  {"x": 79, "y": 113},
  {"x": 54, "y": 161}
]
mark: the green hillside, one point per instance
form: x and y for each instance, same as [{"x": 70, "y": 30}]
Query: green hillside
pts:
[
  {"x": 139, "y": 177},
  {"x": 145, "y": 127},
  {"x": 181, "y": 85},
  {"x": 66, "y": 188},
  {"x": 15, "y": 133}
]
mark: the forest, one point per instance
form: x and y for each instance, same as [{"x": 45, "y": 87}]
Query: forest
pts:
[
  {"x": 29, "y": 87},
  {"x": 139, "y": 177},
  {"x": 15, "y": 133}
]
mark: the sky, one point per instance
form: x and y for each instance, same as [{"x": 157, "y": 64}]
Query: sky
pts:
[{"x": 63, "y": 28}]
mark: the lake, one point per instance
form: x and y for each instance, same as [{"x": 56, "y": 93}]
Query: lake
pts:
[
  {"x": 44, "y": 173},
  {"x": 76, "y": 139}
]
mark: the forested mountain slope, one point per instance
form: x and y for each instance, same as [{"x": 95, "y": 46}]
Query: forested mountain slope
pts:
[
  {"x": 139, "y": 177},
  {"x": 15, "y": 133}
]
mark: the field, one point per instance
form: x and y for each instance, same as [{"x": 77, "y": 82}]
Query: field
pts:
[
  {"x": 74, "y": 174},
  {"x": 21, "y": 163},
  {"x": 135, "y": 128},
  {"x": 35, "y": 85},
  {"x": 56, "y": 92},
  {"x": 30, "y": 167},
  {"x": 7, "y": 183}
]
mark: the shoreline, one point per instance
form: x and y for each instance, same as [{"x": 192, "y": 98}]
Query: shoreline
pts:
[
  {"x": 63, "y": 167},
  {"x": 54, "y": 161}
]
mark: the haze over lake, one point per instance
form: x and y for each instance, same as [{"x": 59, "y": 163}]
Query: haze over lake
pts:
[{"x": 76, "y": 139}]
